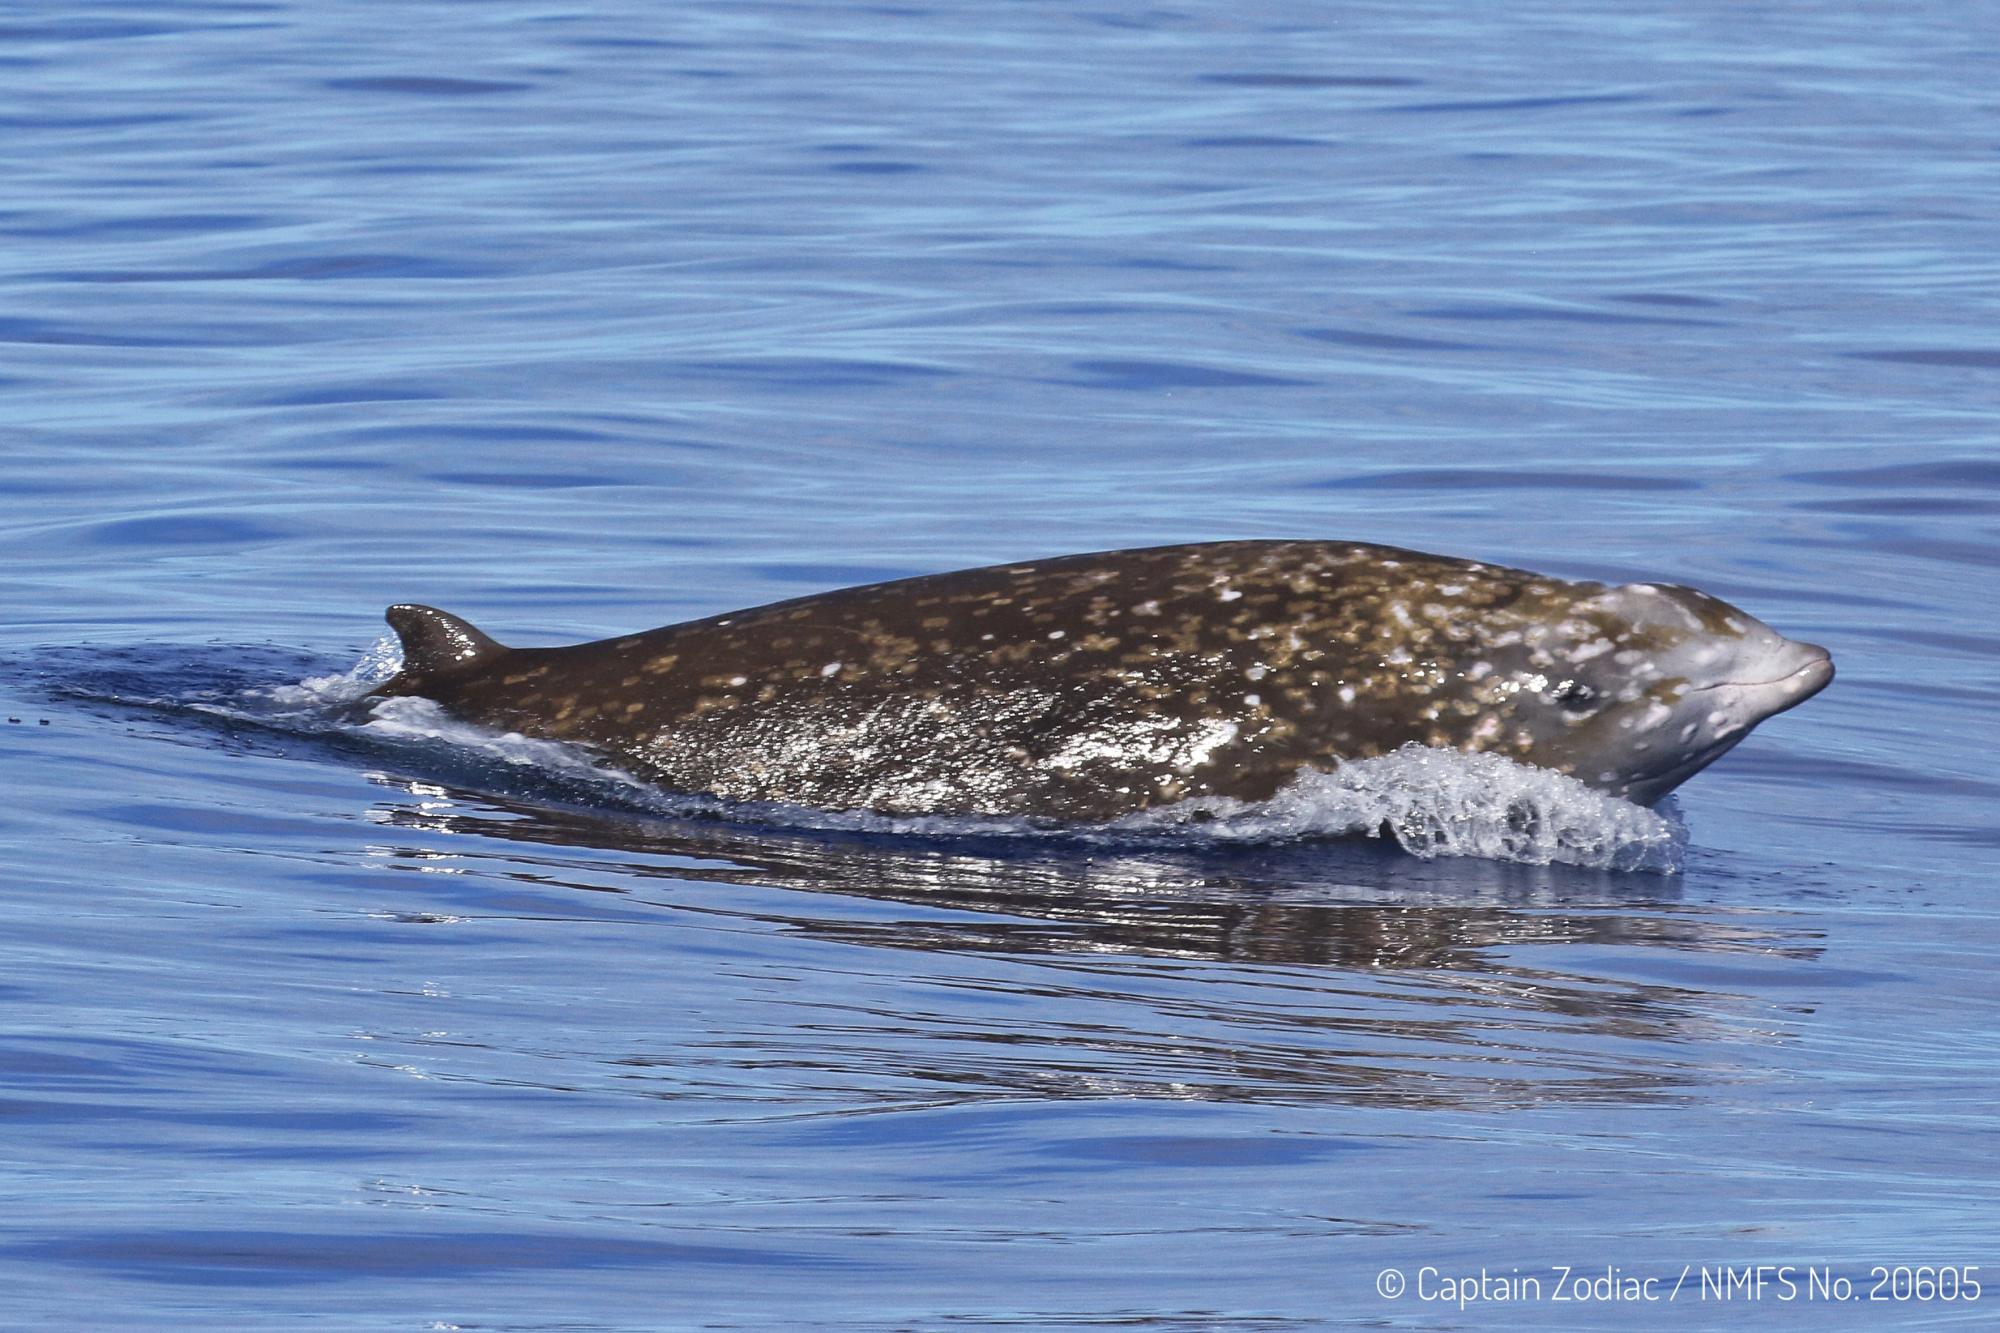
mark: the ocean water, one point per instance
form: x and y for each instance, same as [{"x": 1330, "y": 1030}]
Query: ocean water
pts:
[{"x": 579, "y": 320}]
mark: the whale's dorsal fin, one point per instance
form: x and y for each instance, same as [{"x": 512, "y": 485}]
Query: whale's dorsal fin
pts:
[{"x": 437, "y": 646}]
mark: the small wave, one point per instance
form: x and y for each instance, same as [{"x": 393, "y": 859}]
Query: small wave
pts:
[
  {"x": 383, "y": 659},
  {"x": 1438, "y": 802}
]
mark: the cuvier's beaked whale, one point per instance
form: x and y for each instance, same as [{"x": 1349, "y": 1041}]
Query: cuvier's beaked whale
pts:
[{"x": 1087, "y": 687}]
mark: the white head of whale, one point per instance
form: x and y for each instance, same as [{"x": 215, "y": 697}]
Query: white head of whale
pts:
[{"x": 1632, "y": 689}]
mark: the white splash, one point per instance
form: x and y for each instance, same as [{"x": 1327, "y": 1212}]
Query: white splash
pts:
[
  {"x": 1437, "y": 802},
  {"x": 382, "y": 660}
]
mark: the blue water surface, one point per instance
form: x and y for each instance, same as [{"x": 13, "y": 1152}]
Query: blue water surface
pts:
[{"x": 581, "y": 319}]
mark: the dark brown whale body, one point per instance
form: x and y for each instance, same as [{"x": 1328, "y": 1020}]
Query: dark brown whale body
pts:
[{"x": 1091, "y": 686}]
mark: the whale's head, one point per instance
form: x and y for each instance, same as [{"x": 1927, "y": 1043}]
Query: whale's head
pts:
[{"x": 1631, "y": 689}]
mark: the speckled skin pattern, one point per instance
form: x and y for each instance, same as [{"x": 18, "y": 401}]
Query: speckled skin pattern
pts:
[{"x": 1090, "y": 686}]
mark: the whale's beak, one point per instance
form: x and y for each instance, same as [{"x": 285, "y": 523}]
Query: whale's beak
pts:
[{"x": 1813, "y": 673}]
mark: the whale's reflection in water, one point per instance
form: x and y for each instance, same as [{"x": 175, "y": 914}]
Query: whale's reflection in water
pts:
[{"x": 1306, "y": 972}]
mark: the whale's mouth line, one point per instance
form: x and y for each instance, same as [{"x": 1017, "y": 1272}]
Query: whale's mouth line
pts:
[
  {"x": 1791, "y": 689},
  {"x": 1816, "y": 674}
]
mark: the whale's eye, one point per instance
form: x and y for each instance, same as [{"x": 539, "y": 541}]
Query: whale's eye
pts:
[{"x": 1574, "y": 696}]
